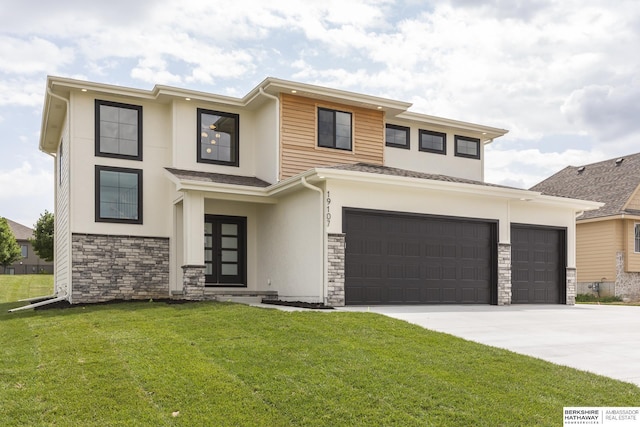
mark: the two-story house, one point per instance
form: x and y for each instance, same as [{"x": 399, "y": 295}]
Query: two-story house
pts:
[
  {"x": 30, "y": 263},
  {"x": 304, "y": 192}
]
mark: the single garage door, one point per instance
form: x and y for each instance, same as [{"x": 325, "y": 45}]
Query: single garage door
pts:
[
  {"x": 538, "y": 260},
  {"x": 396, "y": 258}
]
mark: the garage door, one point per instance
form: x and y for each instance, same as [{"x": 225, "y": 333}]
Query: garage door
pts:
[
  {"x": 537, "y": 265},
  {"x": 410, "y": 259}
]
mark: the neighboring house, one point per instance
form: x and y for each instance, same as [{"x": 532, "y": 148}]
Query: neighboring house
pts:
[
  {"x": 30, "y": 263},
  {"x": 608, "y": 239},
  {"x": 295, "y": 192}
]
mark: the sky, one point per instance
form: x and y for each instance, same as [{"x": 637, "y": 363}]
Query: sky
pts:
[{"x": 562, "y": 76}]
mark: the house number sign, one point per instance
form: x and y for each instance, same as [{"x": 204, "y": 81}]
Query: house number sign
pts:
[{"x": 328, "y": 208}]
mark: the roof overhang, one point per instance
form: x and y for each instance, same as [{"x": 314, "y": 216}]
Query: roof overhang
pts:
[
  {"x": 609, "y": 218},
  {"x": 271, "y": 193}
]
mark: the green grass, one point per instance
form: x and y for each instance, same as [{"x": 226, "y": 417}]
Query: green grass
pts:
[
  {"x": 227, "y": 364},
  {"x": 14, "y": 288}
]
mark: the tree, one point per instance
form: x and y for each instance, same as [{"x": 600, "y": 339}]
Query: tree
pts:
[
  {"x": 9, "y": 249},
  {"x": 42, "y": 241}
]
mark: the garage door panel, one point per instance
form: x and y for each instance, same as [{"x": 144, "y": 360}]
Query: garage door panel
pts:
[
  {"x": 439, "y": 255},
  {"x": 538, "y": 265}
]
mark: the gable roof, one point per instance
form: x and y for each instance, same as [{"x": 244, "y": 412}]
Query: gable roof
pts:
[
  {"x": 611, "y": 182},
  {"x": 21, "y": 232}
]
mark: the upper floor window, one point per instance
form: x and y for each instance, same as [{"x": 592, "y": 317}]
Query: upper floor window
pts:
[
  {"x": 218, "y": 137},
  {"x": 24, "y": 249},
  {"x": 118, "y": 195},
  {"x": 467, "y": 147},
  {"x": 397, "y": 136},
  {"x": 118, "y": 130},
  {"x": 433, "y": 142},
  {"x": 334, "y": 129},
  {"x": 637, "y": 237}
]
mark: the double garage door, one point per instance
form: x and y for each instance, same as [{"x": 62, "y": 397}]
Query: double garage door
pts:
[{"x": 394, "y": 258}]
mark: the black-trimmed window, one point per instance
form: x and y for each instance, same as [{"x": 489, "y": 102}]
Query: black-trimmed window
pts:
[
  {"x": 467, "y": 147},
  {"x": 433, "y": 142},
  {"x": 218, "y": 137},
  {"x": 637, "y": 237},
  {"x": 24, "y": 250},
  {"x": 397, "y": 136},
  {"x": 118, "y": 195},
  {"x": 334, "y": 129},
  {"x": 118, "y": 130}
]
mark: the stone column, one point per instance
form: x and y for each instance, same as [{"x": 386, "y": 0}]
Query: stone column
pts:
[
  {"x": 572, "y": 277},
  {"x": 335, "y": 269},
  {"x": 504, "y": 274},
  {"x": 193, "y": 282}
]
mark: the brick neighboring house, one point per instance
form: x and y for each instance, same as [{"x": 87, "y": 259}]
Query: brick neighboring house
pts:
[
  {"x": 608, "y": 238},
  {"x": 30, "y": 263},
  {"x": 293, "y": 191}
]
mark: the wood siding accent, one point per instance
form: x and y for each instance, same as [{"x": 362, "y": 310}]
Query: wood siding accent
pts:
[
  {"x": 299, "y": 149},
  {"x": 632, "y": 258},
  {"x": 596, "y": 247}
]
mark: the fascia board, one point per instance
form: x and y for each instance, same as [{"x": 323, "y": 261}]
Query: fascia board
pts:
[
  {"x": 609, "y": 218},
  {"x": 491, "y": 132},
  {"x": 470, "y": 189}
]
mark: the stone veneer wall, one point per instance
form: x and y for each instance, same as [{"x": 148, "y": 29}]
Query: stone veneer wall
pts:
[
  {"x": 627, "y": 284},
  {"x": 335, "y": 267},
  {"x": 118, "y": 267},
  {"x": 193, "y": 281},
  {"x": 572, "y": 279},
  {"x": 504, "y": 274}
]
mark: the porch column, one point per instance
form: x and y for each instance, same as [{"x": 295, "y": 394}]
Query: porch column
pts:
[{"x": 193, "y": 245}]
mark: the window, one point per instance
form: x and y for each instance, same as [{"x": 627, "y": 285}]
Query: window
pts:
[
  {"x": 118, "y": 195},
  {"x": 25, "y": 251},
  {"x": 637, "y": 237},
  {"x": 433, "y": 142},
  {"x": 334, "y": 129},
  {"x": 467, "y": 147},
  {"x": 397, "y": 136},
  {"x": 218, "y": 136},
  {"x": 118, "y": 130}
]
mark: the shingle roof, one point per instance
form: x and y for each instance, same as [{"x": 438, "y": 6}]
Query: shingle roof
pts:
[
  {"x": 219, "y": 178},
  {"x": 607, "y": 182},
  {"x": 21, "y": 232},
  {"x": 385, "y": 170}
]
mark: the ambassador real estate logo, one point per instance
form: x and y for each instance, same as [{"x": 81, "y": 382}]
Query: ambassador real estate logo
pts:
[{"x": 601, "y": 416}]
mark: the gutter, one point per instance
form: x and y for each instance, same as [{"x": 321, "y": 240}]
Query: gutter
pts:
[{"x": 323, "y": 233}]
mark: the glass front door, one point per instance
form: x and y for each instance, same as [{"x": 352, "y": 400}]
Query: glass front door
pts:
[{"x": 225, "y": 250}]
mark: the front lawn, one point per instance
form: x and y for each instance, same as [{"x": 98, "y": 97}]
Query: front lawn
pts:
[{"x": 215, "y": 364}]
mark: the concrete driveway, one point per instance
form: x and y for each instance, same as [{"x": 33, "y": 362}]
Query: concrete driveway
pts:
[{"x": 602, "y": 339}]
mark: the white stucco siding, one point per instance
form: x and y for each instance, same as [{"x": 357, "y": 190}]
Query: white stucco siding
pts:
[
  {"x": 156, "y": 154},
  {"x": 184, "y": 129},
  {"x": 291, "y": 248},
  {"x": 266, "y": 126},
  {"x": 443, "y": 164}
]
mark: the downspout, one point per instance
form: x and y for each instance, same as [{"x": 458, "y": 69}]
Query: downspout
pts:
[
  {"x": 323, "y": 234},
  {"x": 68, "y": 126},
  {"x": 275, "y": 98}
]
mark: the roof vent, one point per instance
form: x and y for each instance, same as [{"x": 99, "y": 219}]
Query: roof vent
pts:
[
  {"x": 619, "y": 161},
  {"x": 581, "y": 169}
]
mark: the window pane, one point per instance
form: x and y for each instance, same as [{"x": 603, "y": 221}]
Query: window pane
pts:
[
  {"x": 209, "y": 269},
  {"x": 637, "y": 230},
  {"x": 469, "y": 147},
  {"x": 208, "y": 227},
  {"x": 230, "y": 269},
  {"x": 229, "y": 242},
  {"x": 229, "y": 256},
  {"x": 118, "y": 195},
  {"x": 118, "y": 130},
  {"x": 218, "y": 137},
  {"x": 396, "y": 136},
  {"x": 230, "y": 229},
  {"x": 429, "y": 141},
  {"x": 208, "y": 255}
]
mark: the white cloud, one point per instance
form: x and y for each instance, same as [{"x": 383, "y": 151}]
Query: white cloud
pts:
[
  {"x": 35, "y": 55},
  {"x": 22, "y": 92}
]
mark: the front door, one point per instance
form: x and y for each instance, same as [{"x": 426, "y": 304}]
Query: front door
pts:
[{"x": 225, "y": 250}]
